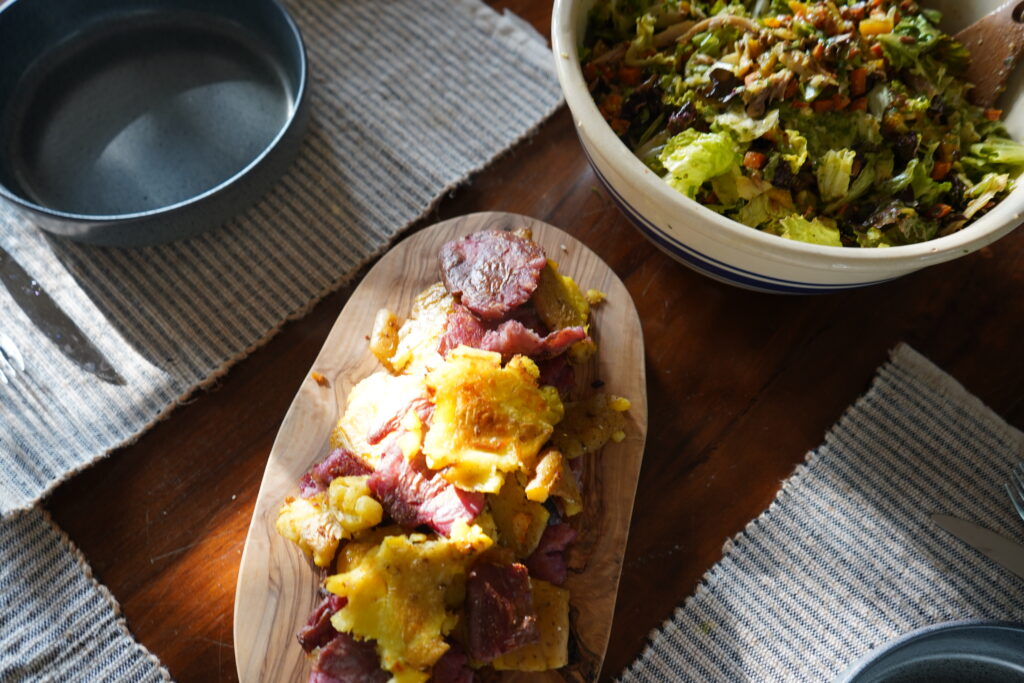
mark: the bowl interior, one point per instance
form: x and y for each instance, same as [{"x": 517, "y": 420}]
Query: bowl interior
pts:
[
  {"x": 117, "y": 107},
  {"x": 568, "y": 32}
]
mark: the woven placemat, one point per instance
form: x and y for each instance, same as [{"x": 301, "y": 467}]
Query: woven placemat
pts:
[
  {"x": 846, "y": 557},
  {"x": 408, "y": 97}
]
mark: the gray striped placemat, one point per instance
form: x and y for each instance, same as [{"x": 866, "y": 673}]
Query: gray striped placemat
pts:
[
  {"x": 846, "y": 558},
  {"x": 408, "y": 98},
  {"x": 56, "y": 622}
]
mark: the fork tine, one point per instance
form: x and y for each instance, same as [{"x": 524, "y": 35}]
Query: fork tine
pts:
[
  {"x": 1016, "y": 492},
  {"x": 12, "y": 353}
]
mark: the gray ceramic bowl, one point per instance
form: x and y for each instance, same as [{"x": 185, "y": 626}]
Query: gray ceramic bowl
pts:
[
  {"x": 132, "y": 122},
  {"x": 953, "y": 652}
]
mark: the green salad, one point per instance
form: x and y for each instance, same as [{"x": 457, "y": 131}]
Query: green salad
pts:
[{"x": 837, "y": 123}]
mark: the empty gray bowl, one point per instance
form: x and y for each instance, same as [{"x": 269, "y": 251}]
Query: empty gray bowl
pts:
[
  {"x": 953, "y": 652},
  {"x": 133, "y": 122}
]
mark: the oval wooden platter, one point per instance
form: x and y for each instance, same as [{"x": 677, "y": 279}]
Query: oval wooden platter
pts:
[{"x": 277, "y": 585}]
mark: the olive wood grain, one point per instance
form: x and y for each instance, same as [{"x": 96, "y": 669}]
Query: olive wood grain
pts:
[
  {"x": 995, "y": 42},
  {"x": 277, "y": 585}
]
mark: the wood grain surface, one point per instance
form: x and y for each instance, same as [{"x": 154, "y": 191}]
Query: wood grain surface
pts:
[
  {"x": 740, "y": 386},
  {"x": 277, "y": 585}
]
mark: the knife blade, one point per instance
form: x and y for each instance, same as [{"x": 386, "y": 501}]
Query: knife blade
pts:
[
  {"x": 54, "y": 323},
  {"x": 1001, "y": 550}
]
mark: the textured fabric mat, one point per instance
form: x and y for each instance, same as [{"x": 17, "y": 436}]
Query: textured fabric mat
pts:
[
  {"x": 846, "y": 557},
  {"x": 56, "y": 622},
  {"x": 408, "y": 97}
]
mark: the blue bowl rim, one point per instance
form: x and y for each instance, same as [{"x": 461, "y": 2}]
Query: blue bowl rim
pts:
[
  {"x": 860, "y": 665},
  {"x": 300, "y": 95}
]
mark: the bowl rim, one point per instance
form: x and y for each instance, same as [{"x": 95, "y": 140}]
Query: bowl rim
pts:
[
  {"x": 300, "y": 89},
  {"x": 714, "y": 226}
]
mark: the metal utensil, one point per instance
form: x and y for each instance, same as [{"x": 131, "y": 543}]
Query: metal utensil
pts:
[
  {"x": 1001, "y": 550},
  {"x": 11, "y": 360},
  {"x": 1015, "y": 488},
  {"x": 995, "y": 42},
  {"x": 54, "y": 323}
]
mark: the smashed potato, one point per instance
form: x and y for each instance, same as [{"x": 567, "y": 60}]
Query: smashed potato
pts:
[
  {"x": 589, "y": 424},
  {"x": 488, "y": 419}
]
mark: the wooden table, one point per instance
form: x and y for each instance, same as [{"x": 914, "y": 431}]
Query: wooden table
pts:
[{"x": 741, "y": 385}]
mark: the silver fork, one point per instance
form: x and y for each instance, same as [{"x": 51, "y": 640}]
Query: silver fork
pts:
[
  {"x": 1015, "y": 488},
  {"x": 11, "y": 360}
]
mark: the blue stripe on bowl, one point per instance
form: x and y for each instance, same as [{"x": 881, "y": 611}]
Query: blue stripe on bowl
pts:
[{"x": 712, "y": 267}]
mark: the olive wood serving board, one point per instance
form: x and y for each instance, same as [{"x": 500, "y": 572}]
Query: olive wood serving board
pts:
[{"x": 277, "y": 585}]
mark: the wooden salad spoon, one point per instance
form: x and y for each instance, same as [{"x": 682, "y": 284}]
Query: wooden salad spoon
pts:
[{"x": 995, "y": 42}]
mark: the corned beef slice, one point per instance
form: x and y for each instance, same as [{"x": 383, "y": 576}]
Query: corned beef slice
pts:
[
  {"x": 453, "y": 667},
  {"x": 499, "y": 610},
  {"x": 318, "y": 629},
  {"x": 493, "y": 271},
  {"x": 508, "y": 338},
  {"x": 412, "y": 494},
  {"x": 340, "y": 463},
  {"x": 548, "y": 561},
  {"x": 346, "y": 660}
]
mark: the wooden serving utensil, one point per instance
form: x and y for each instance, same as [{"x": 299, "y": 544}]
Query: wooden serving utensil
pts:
[
  {"x": 995, "y": 42},
  {"x": 277, "y": 586}
]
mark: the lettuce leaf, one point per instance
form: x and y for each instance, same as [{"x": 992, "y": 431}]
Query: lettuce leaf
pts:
[
  {"x": 796, "y": 227},
  {"x": 833, "y": 173},
  {"x": 766, "y": 207},
  {"x": 794, "y": 150},
  {"x": 744, "y": 128},
  {"x": 691, "y": 158},
  {"x": 998, "y": 150}
]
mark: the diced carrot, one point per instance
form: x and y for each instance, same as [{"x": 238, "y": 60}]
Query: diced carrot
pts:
[
  {"x": 941, "y": 170},
  {"x": 858, "y": 81},
  {"x": 876, "y": 50},
  {"x": 993, "y": 114},
  {"x": 859, "y": 104},
  {"x": 790, "y": 89},
  {"x": 612, "y": 104},
  {"x": 799, "y": 104},
  {"x": 854, "y": 51},
  {"x": 630, "y": 75},
  {"x": 821, "y": 106},
  {"x": 772, "y": 22},
  {"x": 819, "y": 51},
  {"x": 754, "y": 160},
  {"x": 873, "y": 26},
  {"x": 840, "y": 102},
  {"x": 940, "y": 211},
  {"x": 620, "y": 126},
  {"x": 876, "y": 3}
]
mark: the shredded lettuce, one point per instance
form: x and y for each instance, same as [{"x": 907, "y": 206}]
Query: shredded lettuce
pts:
[
  {"x": 796, "y": 227},
  {"x": 794, "y": 150},
  {"x": 691, "y": 158},
  {"x": 744, "y": 128},
  {"x": 984, "y": 191},
  {"x": 766, "y": 207},
  {"x": 833, "y": 173}
]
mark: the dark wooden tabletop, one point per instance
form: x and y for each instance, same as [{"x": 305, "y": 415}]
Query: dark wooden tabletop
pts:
[{"x": 741, "y": 385}]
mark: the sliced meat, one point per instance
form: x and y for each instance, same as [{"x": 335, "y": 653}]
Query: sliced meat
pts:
[
  {"x": 499, "y": 610},
  {"x": 453, "y": 667},
  {"x": 493, "y": 271},
  {"x": 318, "y": 629},
  {"x": 548, "y": 561},
  {"x": 423, "y": 407},
  {"x": 412, "y": 494},
  {"x": 508, "y": 338},
  {"x": 512, "y": 337},
  {"x": 461, "y": 328},
  {"x": 344, "y": 659},
  {"x": 340, "y": 463}
]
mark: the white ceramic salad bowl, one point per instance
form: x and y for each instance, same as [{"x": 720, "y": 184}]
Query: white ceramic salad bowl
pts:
[{"x": 734, "y": 253}]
